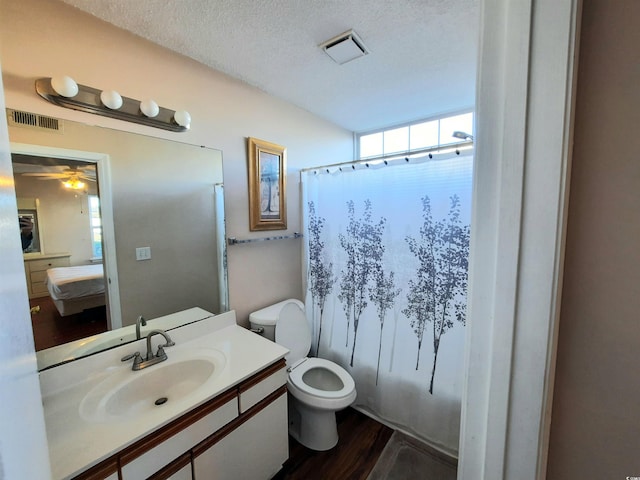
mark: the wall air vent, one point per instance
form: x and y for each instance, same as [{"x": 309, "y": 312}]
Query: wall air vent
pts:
[
  {"x": 345, "y": 47},
  {"x": 18, "y": 118}
]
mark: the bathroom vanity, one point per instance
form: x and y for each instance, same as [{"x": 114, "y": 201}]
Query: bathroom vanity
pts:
[{"x": 220, "y": 411}]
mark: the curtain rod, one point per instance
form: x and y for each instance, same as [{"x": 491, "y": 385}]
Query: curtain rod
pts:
[{"x": 397, "y": 156}]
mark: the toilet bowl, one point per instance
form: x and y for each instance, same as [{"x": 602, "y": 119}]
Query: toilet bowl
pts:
[{"x": 317, "y": 387}]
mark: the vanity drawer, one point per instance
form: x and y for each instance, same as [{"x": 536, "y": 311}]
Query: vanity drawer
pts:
[
  {"x": 43, "y": 265},
  {"x": 262, "y": 385},
  {"x": 38, "y": 276},
  {"x": 179, "y": 469},
  {"x": 148, "y": 457},
  {"x": 106, "y": 470},
  {"x": 39, "y": 289}
]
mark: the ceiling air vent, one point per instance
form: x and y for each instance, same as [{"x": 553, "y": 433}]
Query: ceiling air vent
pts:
[
  {"x": 345, "y": 47},
  {"x": 18, "y": 118}
]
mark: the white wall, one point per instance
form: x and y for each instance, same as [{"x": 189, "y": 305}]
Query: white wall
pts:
[
  {"x": 42, "y": 39},
  {"x": 595, "y": 424}
]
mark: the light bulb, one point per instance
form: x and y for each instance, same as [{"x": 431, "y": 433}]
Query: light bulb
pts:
[
  {"x": 65, "y": 86},
  {"x": 149, "y": 108},
  {"x": 111, "y": 99},
  {"x": 74, "y": 184},
  {"x": 182, "y": 118}
]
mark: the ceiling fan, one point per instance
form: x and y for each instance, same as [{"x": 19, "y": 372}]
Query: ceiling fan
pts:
[{"x": 72, "y": 177}]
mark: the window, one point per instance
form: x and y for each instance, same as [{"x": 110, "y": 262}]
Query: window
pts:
[
  {"x": 420, "y": 135},
  {"x": 95, "y": 223}
]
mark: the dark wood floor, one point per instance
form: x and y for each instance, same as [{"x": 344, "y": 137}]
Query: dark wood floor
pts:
[
  {"x": 362, "y": 440},
  {"x": 50, "y": 328}
]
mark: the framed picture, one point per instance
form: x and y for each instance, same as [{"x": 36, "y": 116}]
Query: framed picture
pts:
[{"x": 267, "y": 186}]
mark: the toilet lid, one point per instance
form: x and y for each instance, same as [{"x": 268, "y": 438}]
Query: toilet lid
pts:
[{"x": 293, "y": 332}]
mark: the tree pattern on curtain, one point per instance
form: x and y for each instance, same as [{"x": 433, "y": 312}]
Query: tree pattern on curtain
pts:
[
  {"x": 320, "y": 271},
  {"x": 364, "y": 248},
  {"x": 436, "y": 295}
]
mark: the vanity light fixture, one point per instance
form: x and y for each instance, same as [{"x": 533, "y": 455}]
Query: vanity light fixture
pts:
[{"x": 65, "y": 92}]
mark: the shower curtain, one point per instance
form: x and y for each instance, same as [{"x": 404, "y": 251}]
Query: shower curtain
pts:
[{"x": 386, "y": 259}]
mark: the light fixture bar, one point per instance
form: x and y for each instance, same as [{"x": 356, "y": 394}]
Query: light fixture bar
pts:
[{"x": 87, "y": 99}]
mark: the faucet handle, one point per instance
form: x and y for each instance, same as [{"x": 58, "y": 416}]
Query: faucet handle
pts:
[
  {"x": 161, "y": 353},
  {"x": 137, "y": 358}
]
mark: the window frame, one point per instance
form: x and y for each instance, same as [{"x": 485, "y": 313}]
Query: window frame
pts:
[
  {"x": 438, "y": 118},
  {"x": 92, "y": 227}
]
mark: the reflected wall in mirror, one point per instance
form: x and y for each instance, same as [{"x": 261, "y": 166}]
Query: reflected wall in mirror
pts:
[{"x": 164, "y": 196}]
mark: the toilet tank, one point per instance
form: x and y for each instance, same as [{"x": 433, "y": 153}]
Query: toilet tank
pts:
[{"x": 266, "y": 318}]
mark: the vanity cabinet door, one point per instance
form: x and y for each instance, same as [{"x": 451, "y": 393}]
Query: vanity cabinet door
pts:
[
  {"x": 106, "y": 470},
  {"x": 150, "y": 457},
  {"x": 254, "y": 447},
  {"x": 183, "y": 474},
  {"x": 179, "y": 469}
]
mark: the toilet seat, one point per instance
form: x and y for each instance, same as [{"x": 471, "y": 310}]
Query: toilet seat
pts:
[{"x": 295, "y": 377}]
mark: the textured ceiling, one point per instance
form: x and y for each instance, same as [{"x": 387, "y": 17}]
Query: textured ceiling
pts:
[{"x": 422, "y": 61}]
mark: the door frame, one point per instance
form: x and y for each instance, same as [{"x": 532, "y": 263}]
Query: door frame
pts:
[
  {"x": 525, "y": 97},
  {"x": 102, "y": 163}
]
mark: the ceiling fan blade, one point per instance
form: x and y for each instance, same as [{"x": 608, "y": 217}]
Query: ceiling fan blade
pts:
[{"x": 50, "y": 175}]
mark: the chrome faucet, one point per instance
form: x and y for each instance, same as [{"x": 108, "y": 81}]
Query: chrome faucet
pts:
[
  {"x": 160, "y": 353},
  {"x": 140, "y": 321},
  {"x": 150, "y": 358}
]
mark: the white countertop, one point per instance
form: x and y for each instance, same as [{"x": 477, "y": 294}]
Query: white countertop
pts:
[{"x": 76, "y": 444}]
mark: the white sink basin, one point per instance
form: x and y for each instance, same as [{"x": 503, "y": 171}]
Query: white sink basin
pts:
[{"x": 126, "y": 394}]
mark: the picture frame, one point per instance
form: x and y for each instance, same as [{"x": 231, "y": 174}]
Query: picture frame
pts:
[{"x": 267, "y": 185}]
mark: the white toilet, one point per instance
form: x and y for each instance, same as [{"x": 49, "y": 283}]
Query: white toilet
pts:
[{"x": 318, "y": 388}]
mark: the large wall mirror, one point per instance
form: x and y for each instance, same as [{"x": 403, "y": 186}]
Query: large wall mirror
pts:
[{"x": 122, "y": 225}]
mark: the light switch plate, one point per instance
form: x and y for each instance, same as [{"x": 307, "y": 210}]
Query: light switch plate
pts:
[{"x": 143, "y": 253}]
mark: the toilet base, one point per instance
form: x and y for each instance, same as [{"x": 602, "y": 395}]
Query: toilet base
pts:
[{"x": 313, "y": 428}]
